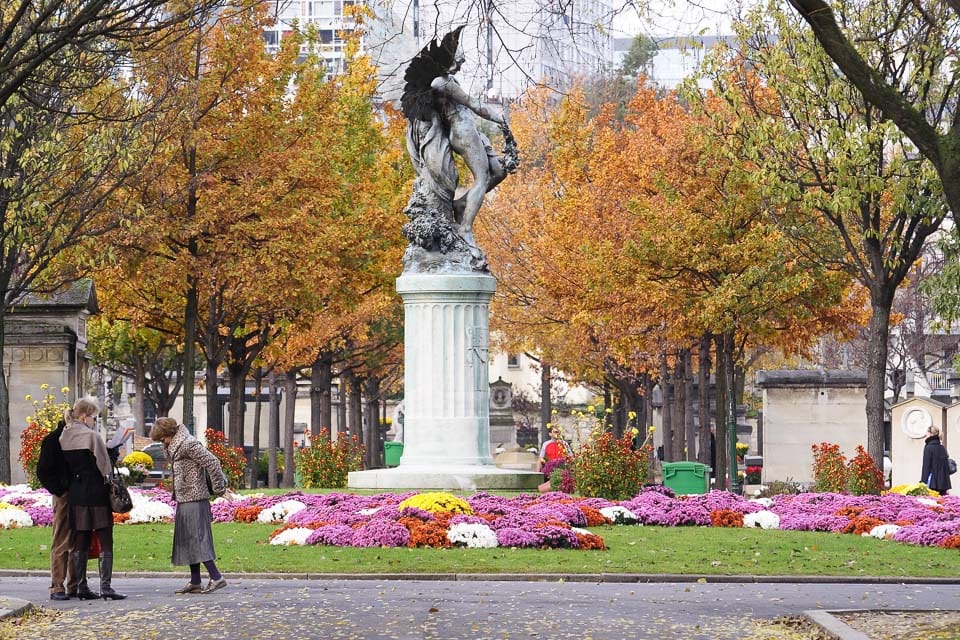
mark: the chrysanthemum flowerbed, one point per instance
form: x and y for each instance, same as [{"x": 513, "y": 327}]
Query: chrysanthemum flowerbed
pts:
[{"x": 550, "y": 520}]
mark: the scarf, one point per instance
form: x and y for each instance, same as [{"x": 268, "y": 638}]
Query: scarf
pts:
[{"x": 77, "y": 436}]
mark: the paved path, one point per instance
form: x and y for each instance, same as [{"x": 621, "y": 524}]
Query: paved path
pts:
[{"x": 395, "y": 609}]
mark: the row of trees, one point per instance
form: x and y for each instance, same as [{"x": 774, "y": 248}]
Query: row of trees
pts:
[
  {"x": 234, "y": 206},
  {"x": 680, "y": 233},
  {"x": 263, "y": 244}
]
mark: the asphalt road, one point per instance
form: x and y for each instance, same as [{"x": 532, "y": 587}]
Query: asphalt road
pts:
[{"x": 287, "y": 609}]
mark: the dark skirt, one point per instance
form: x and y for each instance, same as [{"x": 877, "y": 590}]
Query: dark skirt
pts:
[
  {"x": 90, "y": 518},
  {"x": 192, "y": 536}
]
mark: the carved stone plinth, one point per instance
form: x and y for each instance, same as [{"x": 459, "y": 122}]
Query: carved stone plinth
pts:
[{"x": 446, "y": 434}]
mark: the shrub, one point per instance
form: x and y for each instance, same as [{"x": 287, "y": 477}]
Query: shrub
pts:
[
  {"x": 829, "y": 468},
  {"x": 780, "y": 487},
  {"x": 232, "y": 459},
  {"x": 325, "y": 463},
  {"x": 45, "y": 417},
  {"x": 863, "y": 476},
  {"x": 607, "y": 467}
]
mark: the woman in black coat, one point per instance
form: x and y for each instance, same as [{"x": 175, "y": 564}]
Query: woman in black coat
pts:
[
  {"x": 90, "y": 465},
  {"x": 935, "y": 472}
]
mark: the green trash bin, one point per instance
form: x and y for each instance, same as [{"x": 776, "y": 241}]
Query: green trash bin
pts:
[
  {"x": 686, "y": 477},
  {"x": 392, "y": 452}
]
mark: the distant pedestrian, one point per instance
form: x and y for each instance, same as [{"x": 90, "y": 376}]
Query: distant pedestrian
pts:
[
  {"x": 90, "y": 464},
  {"x": 935, "y": 472},
  {"x": 555, "y": 448},
  {"x": 195, "y": 473},
  {"x": 54, "y": 476}
]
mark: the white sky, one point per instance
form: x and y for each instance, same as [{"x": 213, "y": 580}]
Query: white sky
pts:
[{"x": 676, "y": 18}]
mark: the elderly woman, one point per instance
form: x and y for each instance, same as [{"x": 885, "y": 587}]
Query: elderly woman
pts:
[
  {"x": 89, "y": 464},
  {"x": 192, "y": 467}
]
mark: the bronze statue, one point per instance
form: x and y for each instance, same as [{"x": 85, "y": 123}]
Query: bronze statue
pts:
[{"x": 441, "y": 122}]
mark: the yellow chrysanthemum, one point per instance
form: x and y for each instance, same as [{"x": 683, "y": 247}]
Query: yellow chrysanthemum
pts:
[
  {"x": 138, "y": 457},
  {"x": 437, "y": 502}
]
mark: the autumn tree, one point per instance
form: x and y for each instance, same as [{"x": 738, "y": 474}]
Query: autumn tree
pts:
[
  {"x": 902, "y": 59},
  {"x": 830, "y": 162}
]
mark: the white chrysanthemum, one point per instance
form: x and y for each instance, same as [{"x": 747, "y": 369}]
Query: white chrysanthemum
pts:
[
  {"x": 42, "y": 499},
  {"x": 145, "y": 510},
  {"x": 124, "y": 471},
  {"x": 281, "y": 511},
  {"x": 766, "y": 503},
  {"x": 15, "y": 491},
  {"x": 883, "y": 531},
  {"x": 473, "y": 536},
  {"x": 928, "y": 501},
  {"x": 579, "y": 531},
  {"x": 762, "y": 520},
  {"x": 619, "y": 515},
  {"x": 296, "y": 536},
  {"x": 369, "y": 512},
  {"x": 14, "y": 518}
]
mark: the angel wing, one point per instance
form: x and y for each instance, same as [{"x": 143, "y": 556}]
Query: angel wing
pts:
[{"x": 434, "y": 60}]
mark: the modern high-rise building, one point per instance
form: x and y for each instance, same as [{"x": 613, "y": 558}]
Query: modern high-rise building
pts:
[{"x": 510, "y": 46}]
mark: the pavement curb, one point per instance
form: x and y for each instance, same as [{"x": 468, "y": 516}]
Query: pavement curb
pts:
[
  {"x": 13, "y": 607},
  {"x": 834, "y": 626},
  {"x": 627, "y": 578}
]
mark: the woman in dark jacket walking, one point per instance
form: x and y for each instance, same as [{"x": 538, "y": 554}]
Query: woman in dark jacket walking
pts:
[
  {"x": 90, "y": 464},
  {"x": 935, "y": 472}
]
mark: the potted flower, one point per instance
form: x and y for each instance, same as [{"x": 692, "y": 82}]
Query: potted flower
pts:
[{"x": 137, "y": 464}]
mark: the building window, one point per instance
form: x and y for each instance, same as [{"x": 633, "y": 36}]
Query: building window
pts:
[{"x": 513, "y": 361}]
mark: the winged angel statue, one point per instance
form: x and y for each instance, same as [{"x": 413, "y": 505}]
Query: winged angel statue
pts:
[{"x": 441, "y": 122}]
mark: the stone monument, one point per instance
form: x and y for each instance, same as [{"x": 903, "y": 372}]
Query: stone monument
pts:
[{"x": 446, "y": 286}]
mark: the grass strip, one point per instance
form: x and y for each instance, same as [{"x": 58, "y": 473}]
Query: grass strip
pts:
[{"x": 631, "y": 549}]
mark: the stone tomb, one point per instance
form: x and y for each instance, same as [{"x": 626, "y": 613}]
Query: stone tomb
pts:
[
  {"x": 910, "y": 420},
  {"x": 802, "y": 408}
]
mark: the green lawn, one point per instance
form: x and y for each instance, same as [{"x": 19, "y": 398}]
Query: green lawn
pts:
[{"x": 681, "y": 550}]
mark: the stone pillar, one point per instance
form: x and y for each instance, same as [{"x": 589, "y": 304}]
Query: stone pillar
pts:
[{"x": 446, "y": 375}]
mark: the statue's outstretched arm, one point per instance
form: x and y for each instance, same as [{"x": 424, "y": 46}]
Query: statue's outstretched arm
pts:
[{"x": 452, "y": 89}]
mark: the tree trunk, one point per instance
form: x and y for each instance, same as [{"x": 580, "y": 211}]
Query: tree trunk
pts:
[
  {"x": 729, "y": 366},
  {"x": 289, "y": 415},
  {"x": 237, "y": 404},
  {"x": 703, "y": 383},
  {"x": 273, "y": 430},
  {"x": 879, "y": 329},
  {"x": 321, "y": 404},
  {"x": 356, "y": 408},
  {"x": 211, "y": 388},
  {"x": 678, "y": 403},
  {"x": 545, "y": 407},
  {"x": 5, "y": 431},
  {"x": 326, "y": 397},
  {"x": 372, "y": 441},
  {"x": 720, "y": 435},
  {"x": 688, "y": 404},
  {"x": 189, "y": 349},
  {"x": 647, "y": 401},
  {"x": 254, "y": 461},
  {"x": 139, "y": 385},
  {"x": 341, "y": 407},
  {"x": 666, "y": 410}
]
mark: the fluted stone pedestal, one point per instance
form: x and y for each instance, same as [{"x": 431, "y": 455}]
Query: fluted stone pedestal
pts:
[{"x": 446, "y": 389}]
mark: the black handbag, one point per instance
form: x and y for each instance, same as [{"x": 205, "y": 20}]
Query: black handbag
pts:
[{"x": 120, "y": 500}]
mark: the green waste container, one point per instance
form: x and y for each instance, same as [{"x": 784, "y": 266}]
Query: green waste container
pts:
[
  {"x": 686, "y": 477},
  {"x": 392, "y": 452}
]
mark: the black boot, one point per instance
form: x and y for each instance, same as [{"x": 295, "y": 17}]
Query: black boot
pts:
[
  {"x": 106, "y": 574},
  {"x": 78, "y": 571}
]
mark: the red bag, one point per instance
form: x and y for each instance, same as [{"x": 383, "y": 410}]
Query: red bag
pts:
[{"x": 94, "y": 546}]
